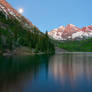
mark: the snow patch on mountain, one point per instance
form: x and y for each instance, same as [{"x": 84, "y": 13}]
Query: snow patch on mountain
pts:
[{"x": 71, "y": 32}]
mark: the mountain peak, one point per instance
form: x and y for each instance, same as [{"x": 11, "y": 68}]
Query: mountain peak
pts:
[
  {"x": 71, "y": 32},
  {"x": 61, "y": 27},
  {"x": 70, "y": 25}
]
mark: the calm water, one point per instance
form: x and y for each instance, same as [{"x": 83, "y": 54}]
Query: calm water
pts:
[{"x": 70, "y": 72}]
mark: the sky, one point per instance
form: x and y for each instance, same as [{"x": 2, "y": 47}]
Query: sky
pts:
[{"x": 50, "y": 14}]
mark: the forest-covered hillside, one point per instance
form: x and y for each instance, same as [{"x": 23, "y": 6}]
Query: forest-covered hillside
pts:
[{"x": 14, "y": 35}]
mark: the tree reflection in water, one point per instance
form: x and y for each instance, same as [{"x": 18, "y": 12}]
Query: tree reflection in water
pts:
[{"x": 69, "y": 72}]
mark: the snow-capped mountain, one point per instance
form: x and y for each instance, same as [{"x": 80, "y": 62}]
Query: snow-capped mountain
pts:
[
  {"x": 9, "y": 11},
  {"x": 71, "y": 32}
]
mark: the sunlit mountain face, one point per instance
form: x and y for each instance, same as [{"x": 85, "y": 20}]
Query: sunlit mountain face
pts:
[
  {"x": 71, "y": 32},
  {"x": 9, "y": 11}
]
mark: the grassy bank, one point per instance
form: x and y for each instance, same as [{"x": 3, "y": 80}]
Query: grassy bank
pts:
[{"x": 77, "y": 46}]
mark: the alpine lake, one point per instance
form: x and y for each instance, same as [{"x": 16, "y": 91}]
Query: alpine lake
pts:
[{"x": 65, "y": 72}]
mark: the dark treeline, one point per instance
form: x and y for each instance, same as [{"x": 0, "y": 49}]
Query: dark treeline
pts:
[{"x": 13, "y": 35}]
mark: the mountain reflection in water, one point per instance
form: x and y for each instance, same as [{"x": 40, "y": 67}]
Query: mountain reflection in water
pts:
[
  {"x": 71, "y": 66},
  {"x": 70, "y": 72}
]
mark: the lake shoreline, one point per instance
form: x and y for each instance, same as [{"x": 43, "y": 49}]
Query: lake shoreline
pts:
[
  {"x": 23, "y": 52},
  {"x": 59, "y": 50}
]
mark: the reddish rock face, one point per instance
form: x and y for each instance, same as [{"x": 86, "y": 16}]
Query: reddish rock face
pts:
[
  {"x": 90, "y": 27},
  {"x": 8, "y": 6},
  {"x": 2, "y": 0},
  {"x": 69, "y": 30},
  {"x": 12, "y": 12}
]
